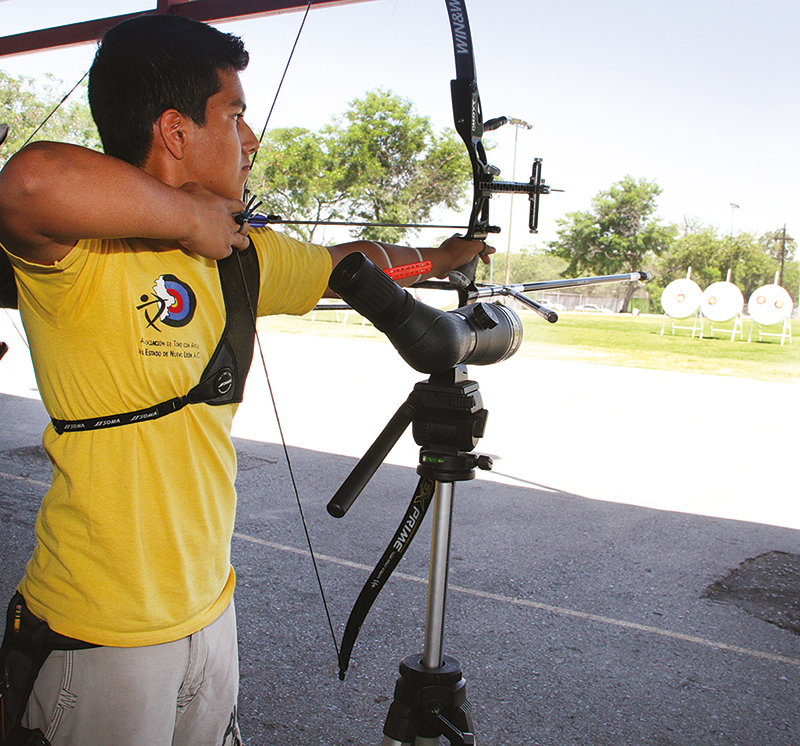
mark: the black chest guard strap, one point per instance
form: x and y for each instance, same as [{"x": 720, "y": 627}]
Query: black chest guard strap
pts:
[
  {"x": 8, "y": 286},
  {"x": 223, "y": 379}
]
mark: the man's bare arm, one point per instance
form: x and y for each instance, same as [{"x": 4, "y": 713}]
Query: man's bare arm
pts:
[
  {"x": 455, "y": 252},
  {"x": 53, "y": 194}
]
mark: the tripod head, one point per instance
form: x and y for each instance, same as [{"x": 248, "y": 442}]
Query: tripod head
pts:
[
  {"x": 447, "y": 417},
  {"x": 448, "y": 426}
]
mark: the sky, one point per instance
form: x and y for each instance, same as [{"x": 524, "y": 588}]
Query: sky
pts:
[{"x": 697, "y": 95}]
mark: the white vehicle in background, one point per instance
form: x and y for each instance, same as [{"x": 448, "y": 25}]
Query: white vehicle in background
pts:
[{"x": 592, "y": 308}]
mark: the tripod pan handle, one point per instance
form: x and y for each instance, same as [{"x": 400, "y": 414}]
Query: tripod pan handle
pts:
[{"x": 351, "y": 488}]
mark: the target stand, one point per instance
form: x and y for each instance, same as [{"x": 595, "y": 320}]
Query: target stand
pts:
[
  {"x": 769, "y": 306},
  {"x": 696, "y": 328},
  {"x": 681, "y": 302},
  {"x": 735, "y": 330},
  {"x": 784, "y": 334},
  {"x": 722, "y": 302}
]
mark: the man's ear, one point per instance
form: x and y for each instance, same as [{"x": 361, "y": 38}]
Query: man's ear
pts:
[{"x": 172, "y": 129}]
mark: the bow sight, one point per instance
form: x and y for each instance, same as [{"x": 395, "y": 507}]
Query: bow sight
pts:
[{"x": 485, "y": 185}]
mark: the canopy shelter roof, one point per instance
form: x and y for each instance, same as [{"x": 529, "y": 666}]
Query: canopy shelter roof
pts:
[{"x": 199, "y": 10}]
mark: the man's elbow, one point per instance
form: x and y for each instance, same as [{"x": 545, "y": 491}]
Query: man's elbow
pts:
[{"x": 24, "y": 184}]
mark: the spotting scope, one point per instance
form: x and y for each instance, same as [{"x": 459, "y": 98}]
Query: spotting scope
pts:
[{"x": 429, "y": 340}]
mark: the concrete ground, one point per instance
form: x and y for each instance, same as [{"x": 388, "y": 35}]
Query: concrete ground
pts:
[{"x": 580, "y": 566}]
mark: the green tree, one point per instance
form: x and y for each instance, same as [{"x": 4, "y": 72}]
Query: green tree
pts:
[
  {"x": 24, "y": 107},
  {"x": 752, "y": 261},
  {"x": 296, "y": 178},
  {"x": 699, "y": 248},
  {"x": 621, "y": 232},
  {"x": 750, "y": 265},
  {"x": 527, "y": 265},
  {"x": 378, "y": 162}
]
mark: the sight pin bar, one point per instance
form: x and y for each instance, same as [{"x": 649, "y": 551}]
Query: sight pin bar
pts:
[{"x": 533, "y": 188}]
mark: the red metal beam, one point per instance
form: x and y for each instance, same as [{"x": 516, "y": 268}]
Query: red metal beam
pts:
[{"x": 199, "y": 10}]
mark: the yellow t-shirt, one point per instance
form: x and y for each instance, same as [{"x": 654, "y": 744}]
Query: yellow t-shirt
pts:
[{"x": 133, "y": 536}]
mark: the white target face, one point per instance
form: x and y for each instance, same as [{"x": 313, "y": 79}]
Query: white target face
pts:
[
  {"x": 770, "y": 304},
  {"x": 722, "y": 301},
  {"x": 681, "y": 298}
]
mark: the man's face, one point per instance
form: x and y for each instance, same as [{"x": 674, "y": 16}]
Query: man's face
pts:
[{"x": 221, "y": 150}]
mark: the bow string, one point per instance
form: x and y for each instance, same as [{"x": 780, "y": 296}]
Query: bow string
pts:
[
  {"x": 469, "y": 123},
  {"x": 251, "y": 205}
]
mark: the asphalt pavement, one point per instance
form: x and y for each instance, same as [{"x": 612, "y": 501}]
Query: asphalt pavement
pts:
[{"x": 594, "y": 595}]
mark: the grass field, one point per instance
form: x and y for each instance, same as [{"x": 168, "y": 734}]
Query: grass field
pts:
[{"x": 612, "y": 339}]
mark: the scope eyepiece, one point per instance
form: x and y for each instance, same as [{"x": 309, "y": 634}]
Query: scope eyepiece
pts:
[{"x": 429, "y": 340}]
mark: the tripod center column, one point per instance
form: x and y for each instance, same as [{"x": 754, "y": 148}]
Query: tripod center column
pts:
[{"x": 437, "y": 578}]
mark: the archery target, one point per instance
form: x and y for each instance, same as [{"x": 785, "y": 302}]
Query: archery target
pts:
[
  {"x": 722, "y": 301},
  {"x": 681, "y": 298},
  {"x": 770, "y": 304}
]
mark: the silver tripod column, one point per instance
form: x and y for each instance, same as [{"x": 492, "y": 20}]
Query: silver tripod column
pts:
[
  {"x": 437, "y": 594},
  {"x": 437, "y": 577}
]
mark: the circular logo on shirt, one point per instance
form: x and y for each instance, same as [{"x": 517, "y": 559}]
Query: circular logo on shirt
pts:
[
  {"x": 180, "y": 310},
  {"x": 172, "y": 303}
]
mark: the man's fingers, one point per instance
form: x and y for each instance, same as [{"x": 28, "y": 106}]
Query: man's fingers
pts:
[{"x": 240, "y": 242}]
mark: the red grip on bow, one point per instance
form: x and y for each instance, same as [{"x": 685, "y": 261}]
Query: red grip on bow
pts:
[{"x": 409, "y": 270}]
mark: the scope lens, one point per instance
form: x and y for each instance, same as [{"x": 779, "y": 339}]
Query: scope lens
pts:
[{"x": 497, "y": 332}]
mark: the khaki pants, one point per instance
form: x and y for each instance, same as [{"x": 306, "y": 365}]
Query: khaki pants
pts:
[{"x": 181, "y": 693}]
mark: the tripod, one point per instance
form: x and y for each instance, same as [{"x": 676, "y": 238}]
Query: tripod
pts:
[{"x": 448, "y": 419}]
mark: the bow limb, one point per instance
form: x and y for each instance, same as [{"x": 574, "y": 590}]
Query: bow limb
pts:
[
  {"x": 469, "y": 123},
  {"x": 409, "y": 525},
  {"x": 468, "y": 120}
]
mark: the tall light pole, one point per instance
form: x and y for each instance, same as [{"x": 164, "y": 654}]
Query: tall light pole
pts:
[
  {"x": 734, "y": 207},
  {"x": 518, "y": 124}
]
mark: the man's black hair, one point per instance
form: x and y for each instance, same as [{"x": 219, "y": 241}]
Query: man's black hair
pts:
[{"x": 152, "y": 63}]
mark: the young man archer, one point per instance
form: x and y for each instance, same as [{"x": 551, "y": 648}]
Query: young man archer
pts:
[{"x": 115, "y": 256}]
